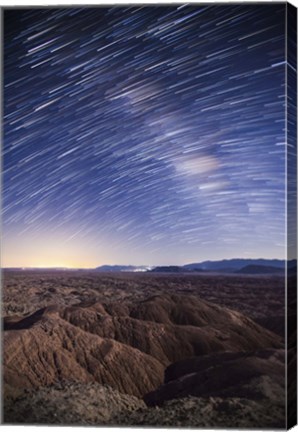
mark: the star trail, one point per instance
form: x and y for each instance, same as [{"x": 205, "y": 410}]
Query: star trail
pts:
[{"x": 143, "y": 134}]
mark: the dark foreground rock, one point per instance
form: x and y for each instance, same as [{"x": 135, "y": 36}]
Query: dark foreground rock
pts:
[
  {"x": 255, "y": 376},
  {"x": 67, "y": 404},
  {"x": 93, "y": 405},
  {"x": 208, "y": 413}
]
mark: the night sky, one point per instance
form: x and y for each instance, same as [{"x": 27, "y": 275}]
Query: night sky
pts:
[{"x": 143, "y": 135}]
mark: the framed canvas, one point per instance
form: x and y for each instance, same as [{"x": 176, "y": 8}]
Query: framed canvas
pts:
[{"x": 149, "y": 252}]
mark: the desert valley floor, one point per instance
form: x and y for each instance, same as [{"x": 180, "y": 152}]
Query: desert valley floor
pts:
[{"x": 196, "y": 350}]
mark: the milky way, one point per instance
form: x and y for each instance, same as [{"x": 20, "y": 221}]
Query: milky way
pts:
[{"x": 149, "y": 135}]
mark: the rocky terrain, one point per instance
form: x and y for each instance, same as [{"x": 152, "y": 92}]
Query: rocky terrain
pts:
[
  {"x": 225, "y": 374},
  {"x": 68, "y": 403},
  {"x": 211, "y": 412},
  {"x": 142, "y": 350},
  {"x": 93, "y": 404}
]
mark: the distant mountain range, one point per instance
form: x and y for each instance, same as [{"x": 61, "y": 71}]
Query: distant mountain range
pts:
[
  {"x": 238, "y": 265},
  {"x": 122, "y": 268},
  {"x": 245, "y": 266},
  {"x": 232, "y": 265},
  {"x": 260, "y": 269},
  {"x": 172, "y": 269}
]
